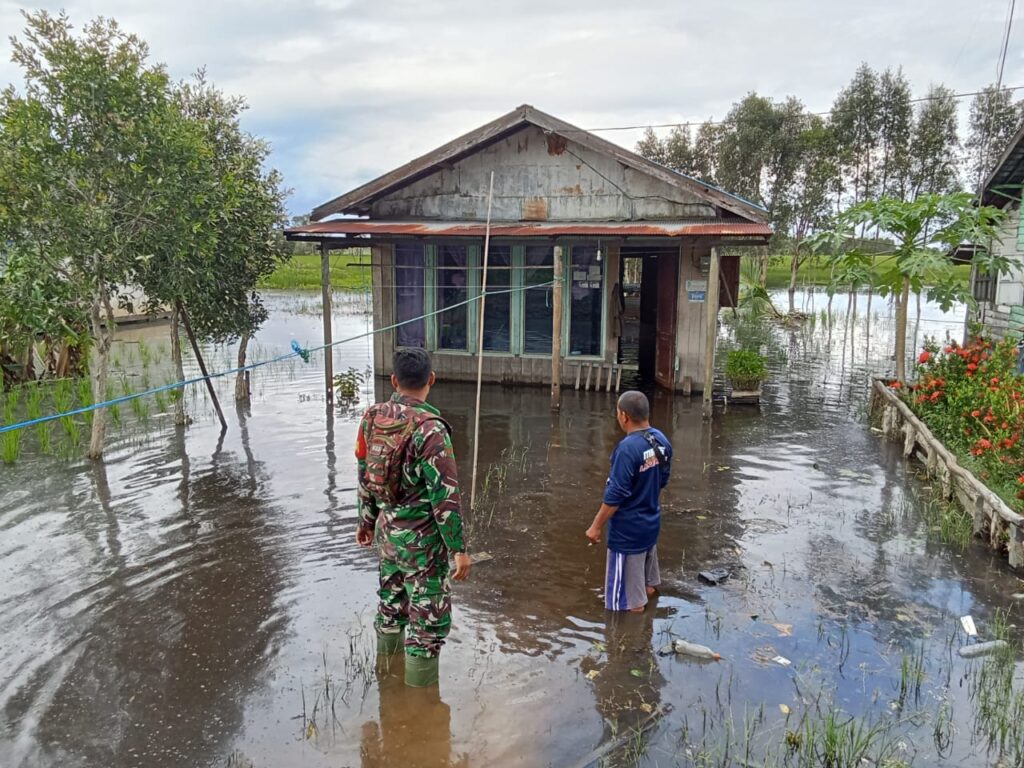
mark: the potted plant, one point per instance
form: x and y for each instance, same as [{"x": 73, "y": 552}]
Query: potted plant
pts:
[{"x": 745, "y": 370}]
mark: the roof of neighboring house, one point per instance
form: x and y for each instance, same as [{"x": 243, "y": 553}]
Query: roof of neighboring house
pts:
[
  {"x": 1008, "y": 173},
  {"x": 344, "y": 228},
  {"x": 358, "y": 200}
]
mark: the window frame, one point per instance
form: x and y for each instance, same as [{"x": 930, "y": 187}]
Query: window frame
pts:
[{"x": 474, "y": 286}]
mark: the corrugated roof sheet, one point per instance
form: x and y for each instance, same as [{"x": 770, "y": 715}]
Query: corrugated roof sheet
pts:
[{"x": 339, "y": 228}]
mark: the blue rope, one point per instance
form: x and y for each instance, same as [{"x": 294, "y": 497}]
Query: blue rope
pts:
[{"x": 297, "y": 351}]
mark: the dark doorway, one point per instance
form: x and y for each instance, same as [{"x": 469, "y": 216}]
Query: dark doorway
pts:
[{"x": 642, "y": 274}]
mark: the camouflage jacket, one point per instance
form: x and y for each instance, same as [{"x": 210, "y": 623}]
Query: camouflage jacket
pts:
[{"x": 432, "y": 508}]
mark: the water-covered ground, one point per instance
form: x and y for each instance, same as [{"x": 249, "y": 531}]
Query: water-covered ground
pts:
[{"x": 199, "y": 600}]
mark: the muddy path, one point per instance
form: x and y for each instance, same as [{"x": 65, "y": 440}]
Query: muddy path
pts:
[{"x": 200, "y": 601}]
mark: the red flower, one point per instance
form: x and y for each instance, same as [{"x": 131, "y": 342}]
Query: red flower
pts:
[
  {"x": 924, "y": 357},
  {"x": 896, "y": 384},
  {"x": 948, "y": 349},
  {"x": 975, "y": 413},
  {"x": 936, "y": 395},
  {"x": 989, "y": 419},
  {"x": 994, "y": 380},
  {"x": 1020, "y": 479},
  {"x": 972, "y": 367}
]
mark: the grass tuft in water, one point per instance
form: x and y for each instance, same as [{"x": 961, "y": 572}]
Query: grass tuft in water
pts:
[{"x": 10, "y": 442}]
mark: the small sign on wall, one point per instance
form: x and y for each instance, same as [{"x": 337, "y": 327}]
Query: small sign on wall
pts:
[{"x": 696, "y": 290}]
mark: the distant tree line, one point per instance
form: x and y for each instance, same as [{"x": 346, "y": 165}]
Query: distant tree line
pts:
[{"x": 878, "y": 141}]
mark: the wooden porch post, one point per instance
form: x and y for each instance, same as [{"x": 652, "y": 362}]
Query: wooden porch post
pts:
[
  {"x": 711, "y": 320},
  {"x": 556, "y": 333},
  {"x": 325, "y": 285}
]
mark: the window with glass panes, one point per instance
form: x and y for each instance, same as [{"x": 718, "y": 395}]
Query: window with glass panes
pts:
[{"x": 440, "y": 278}]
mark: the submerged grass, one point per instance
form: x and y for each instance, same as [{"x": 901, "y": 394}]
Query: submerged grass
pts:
[{"x": 304, "y": 271}]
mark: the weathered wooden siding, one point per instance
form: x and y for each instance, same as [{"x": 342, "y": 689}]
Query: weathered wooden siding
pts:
[
  {"x": 690, "y": 328},
  {"x": 540, "y": 178}
]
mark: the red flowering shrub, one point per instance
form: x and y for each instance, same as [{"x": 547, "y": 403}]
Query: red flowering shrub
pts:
[{"x": 972, "y": 399}]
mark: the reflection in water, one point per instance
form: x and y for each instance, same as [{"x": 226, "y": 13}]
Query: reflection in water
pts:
[
  {"x": 177, "y": 605},
  {"x": 413, "y": 727},
  {"x": 627, "y": 685}
]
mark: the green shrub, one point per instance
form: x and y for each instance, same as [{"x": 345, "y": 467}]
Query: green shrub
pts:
[{"x": 745, "y": 369}]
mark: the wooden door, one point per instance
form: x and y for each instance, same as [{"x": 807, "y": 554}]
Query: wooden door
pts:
[{"x": 668, "y": 291}]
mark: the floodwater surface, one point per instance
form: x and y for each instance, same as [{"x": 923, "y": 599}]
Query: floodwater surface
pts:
[{"x": 199, "y": 600}]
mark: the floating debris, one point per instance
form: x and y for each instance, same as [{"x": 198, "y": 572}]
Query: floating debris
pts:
[
  {"x": 687, "y": 648},
  {"x": 981, "y": 649},
  {"x": 782, "y": 661},
  {"x": 714, "y": 577},
  {"x": 967, "y": 622}
]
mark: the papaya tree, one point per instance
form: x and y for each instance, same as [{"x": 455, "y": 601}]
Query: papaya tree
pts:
[{"x": 923, "y": 230}]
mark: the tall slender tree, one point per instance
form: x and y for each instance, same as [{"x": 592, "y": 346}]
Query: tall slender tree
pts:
[
  {"x": 857, "y": 125},
  {"x": 994, "y": 120},
  {"x": 895, "y": 122},
  {"x": 934, "y": 144}
]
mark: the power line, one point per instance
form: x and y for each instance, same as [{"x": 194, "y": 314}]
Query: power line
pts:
[
  {"x": 1006, "y": 42},
  {"x": 691, "y": 123}
]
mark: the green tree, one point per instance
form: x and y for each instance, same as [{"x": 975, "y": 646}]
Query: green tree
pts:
[
  {"x": 233, "y": 209},
  {"x": 934, "y": 144},
  {"x": 86, "y": 153},
  {"x": 923, "y": 231},
  {"x": 705, "y": 152},
  {"x": 895, "y": 121},
  {"x": 817, "y": 180},
  {"x": 651, "y": 147},
  {"x": 995, "y": 119},
  {"x": 856, "y": 123},
  {"x": 744, "y": 146}
]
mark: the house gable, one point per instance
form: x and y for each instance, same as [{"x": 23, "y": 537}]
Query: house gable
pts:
[
  {"x": 541, "y": 177},
  {"x": 630, "y": 175}
]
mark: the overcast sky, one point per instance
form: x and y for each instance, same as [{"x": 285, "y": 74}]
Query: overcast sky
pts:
[{"x": 348, "y": 89}]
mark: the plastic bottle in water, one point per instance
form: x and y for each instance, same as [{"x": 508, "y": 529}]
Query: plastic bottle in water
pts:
[{"x": 695, "y": 650}]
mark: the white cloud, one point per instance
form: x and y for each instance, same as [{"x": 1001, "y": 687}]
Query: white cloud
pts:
[{"x": 348, "y": 89}]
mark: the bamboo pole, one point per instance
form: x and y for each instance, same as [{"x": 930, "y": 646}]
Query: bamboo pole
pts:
[
  {"x": 556, "y": 335},
  {"x": 480, "y": 345},
  {"x": 325, "y": 287},
  {"x": 711, "y": 319},
  {"x": 202, "y": 365}
]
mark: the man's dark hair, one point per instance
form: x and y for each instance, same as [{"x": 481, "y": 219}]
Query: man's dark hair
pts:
[
  {"x": 635, "y": 405},
  {"x": 412, "y": 368}
]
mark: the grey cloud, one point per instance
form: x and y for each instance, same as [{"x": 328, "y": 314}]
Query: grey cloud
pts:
[{"x": 347, "y": 89}]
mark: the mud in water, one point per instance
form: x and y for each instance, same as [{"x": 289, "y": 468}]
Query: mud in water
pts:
[{"x": 199, "y": 600}]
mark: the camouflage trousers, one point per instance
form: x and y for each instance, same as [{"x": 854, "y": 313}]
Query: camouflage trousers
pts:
[{"x": 418, "y": 598}]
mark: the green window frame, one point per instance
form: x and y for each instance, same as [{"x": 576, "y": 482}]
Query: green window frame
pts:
[{"x": 517, "y": 341}]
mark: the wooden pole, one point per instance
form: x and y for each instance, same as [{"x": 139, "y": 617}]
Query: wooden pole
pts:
[
  {"x": 480, "y": 346},
  {"x": 325, "y": 286},
  {"x": 711, "y": 321},
  {"x": 556, "y": 334},
  {"x": 202, "y": 365}
]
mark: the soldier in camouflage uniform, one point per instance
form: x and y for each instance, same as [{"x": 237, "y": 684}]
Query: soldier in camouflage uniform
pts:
[{"x": 417, "y": 532}]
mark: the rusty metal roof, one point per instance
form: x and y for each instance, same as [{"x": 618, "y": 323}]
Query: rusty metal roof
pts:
[{"x": 345, "y": 228}]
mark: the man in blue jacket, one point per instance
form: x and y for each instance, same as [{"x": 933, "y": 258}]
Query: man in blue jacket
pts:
[{"x": 641, "y": 463}]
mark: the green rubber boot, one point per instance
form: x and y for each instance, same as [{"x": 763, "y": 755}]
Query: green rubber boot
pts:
[
  {"x": 420, "y": 671},
  {"x": 390, "y": 643}
]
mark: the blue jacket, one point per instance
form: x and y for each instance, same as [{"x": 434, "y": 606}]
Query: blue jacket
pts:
[{"x": 634, "y": 486}]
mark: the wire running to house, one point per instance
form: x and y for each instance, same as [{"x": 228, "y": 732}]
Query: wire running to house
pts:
[
  {"x": 826, "y": 113},
  {"x": 297, "y": 351}
]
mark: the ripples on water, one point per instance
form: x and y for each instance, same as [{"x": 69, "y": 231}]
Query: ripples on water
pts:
[{"x": 199, "y": 599}]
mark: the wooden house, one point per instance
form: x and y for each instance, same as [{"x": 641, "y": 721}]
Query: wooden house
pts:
[
  {"x": 1000, "y": 298},
  {"x": 637, "y": 245}
]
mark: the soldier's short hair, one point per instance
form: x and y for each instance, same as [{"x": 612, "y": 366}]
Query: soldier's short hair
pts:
[
  {"x": 412, "y": 367},
  {"x": 635, "y": 405}
]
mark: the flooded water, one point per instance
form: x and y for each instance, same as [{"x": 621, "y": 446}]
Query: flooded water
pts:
[{"x": 200, "y": 601}]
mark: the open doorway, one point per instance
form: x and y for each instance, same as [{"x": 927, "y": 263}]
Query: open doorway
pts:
[{"x": 647, "y": 280}]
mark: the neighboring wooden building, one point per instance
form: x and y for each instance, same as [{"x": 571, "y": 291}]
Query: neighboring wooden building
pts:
[
  {"x": 1001, "y": 297},
  {"x": 559, "y": 192}
]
